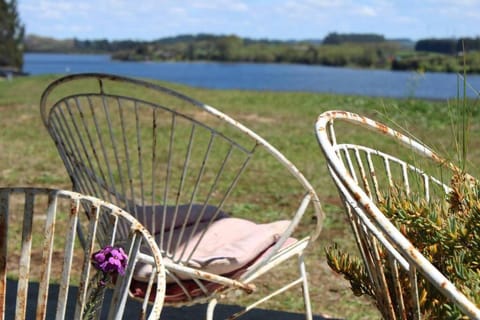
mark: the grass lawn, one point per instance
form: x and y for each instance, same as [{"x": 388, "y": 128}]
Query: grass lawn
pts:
[{"x": 286, "y": 119}]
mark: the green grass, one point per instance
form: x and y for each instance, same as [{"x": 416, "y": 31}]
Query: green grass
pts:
[{"x": 286, "y": 119}]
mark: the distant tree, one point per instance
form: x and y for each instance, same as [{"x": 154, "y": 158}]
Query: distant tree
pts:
[
  {"x": 446, "y": 46},
  {"x": 470, "y": 44},
  {"x": 339, "y": 38},
  {"x": 228, "y": 47},
  {"x": 11, "y": 35}
]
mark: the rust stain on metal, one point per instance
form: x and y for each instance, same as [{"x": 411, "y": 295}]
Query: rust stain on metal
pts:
[
  {"x": 382, "y": 128},
  {"x": 73, "y": 209},
  {"x": 357, "y": 196},
  {"x": 251, "y": 288},
  {"x": 368, "y": 207}
]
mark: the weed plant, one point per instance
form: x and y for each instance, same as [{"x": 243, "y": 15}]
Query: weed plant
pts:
[{"x": 446, "y": 233}]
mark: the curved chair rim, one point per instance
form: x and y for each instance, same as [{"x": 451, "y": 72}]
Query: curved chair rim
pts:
[
  {"x": 328, "y": 116},
  {"x": 341, "y": 172},
  {"x": 76, "y": 195},
  {"x": 155, "y": 251},
  {"x": 220, "y": 115}
]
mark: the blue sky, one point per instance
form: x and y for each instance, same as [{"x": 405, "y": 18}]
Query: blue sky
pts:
[{"x": 272, "y": 19}]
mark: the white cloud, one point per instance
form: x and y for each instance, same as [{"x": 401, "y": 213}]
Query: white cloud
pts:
[
  {"x": 367, "y": 11},
  {"x": 177, "y": 11},
  {"x": 473, "y": 14},
  {"x": 47, "y": 9},
  {"x": 325, "y": 3},
  {"x": 332, "y": 10},
  {"x": 229, "y": 5},
  {"x": 454, "y": 3},
  {"x": 311, "y": 5},
  {"x": 274, "y": 19}
]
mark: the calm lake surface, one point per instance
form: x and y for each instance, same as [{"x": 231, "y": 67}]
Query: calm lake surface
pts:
[{"x": 273, "y": 77}]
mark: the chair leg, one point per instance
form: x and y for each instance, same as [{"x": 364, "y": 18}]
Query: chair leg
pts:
[
  {"x": 306, "y": 292},
  {"x": 211, "y": 308}
]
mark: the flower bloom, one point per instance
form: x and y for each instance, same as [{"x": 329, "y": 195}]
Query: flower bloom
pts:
[{"x": 110, "y": 260}]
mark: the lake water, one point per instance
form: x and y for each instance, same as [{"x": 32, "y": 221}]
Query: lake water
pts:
[{"x": 274, "y": 77}]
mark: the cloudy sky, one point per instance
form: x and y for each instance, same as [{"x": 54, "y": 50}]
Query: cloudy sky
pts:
[{"x": 272, "y": 19}]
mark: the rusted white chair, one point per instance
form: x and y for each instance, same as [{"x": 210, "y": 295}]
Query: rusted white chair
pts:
[
  {"x": 176, "y": 164},
  {"x": 45, "y": 273},
  {"x": 363, "y": 175}
]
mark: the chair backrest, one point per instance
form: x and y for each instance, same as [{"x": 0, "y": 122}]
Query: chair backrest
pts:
[
  {"x": 45, "y": 273},
  {"x": 171, "y": 161},
  {"x": 364, "y": 175}
]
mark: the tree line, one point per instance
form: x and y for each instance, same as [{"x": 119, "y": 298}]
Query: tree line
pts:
[
  {"x": 442, "y": 55},
  {"x": 235, "y": 49},
  {"x": 340, "y": 50},
  {"x": 448, "y": 46}
]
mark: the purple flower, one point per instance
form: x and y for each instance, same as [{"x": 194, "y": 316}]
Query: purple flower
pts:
[{"x": 111, "y": 260}]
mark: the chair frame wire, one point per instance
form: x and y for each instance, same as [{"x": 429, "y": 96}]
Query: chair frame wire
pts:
[
  {"x": 33, "y": 201},
  {"x": 361, "y": 207},
  {"x": 175, "y": 187}
]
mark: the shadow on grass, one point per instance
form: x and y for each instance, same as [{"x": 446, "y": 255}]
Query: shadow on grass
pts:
[{"x": 132, "y": 308}]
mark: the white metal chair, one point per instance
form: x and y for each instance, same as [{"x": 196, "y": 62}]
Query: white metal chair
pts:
[
  {"x": 45, "y": 273},
  {"x": 176, "y": 165},
  {"x": 363, "y": 174}
]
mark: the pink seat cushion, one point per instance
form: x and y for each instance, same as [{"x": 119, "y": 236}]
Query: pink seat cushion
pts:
[
  {"x": 175, "y": 293},
  {"x": 227, "y": 245}
]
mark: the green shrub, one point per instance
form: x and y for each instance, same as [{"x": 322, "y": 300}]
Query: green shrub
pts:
[{"x": 447, "y": 233}]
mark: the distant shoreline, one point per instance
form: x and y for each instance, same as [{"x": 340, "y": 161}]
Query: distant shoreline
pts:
[
  {"x": 410, "y": 66},
  {"x": 353, "y": 50}
]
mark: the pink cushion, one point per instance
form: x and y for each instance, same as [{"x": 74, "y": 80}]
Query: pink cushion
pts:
[
  {"x": 175, "y": 293},
  {"x": 227, "y": 245}
]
